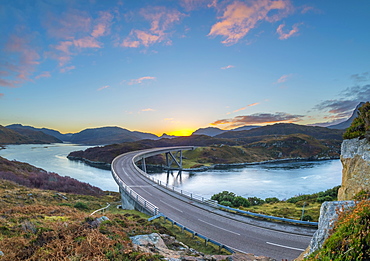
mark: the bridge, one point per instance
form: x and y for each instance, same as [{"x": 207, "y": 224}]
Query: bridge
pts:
[{"x": 239, "y": 233}]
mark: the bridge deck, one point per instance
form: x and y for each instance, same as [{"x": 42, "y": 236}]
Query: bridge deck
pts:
[{"x": 279, "y": 241}]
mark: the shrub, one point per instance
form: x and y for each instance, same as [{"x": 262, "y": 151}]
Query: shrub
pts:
[
  {"x": 254, "y": 201},
  {"x": 226, "y": 203},
  {"x": 360, "y": 127},
  {"x": 272, "y": 200},
  {"x": 81, "y": 206},
  {"x": 240, "y": 202}
]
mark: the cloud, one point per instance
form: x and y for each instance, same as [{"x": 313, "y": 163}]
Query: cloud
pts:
[
  {"x": 227, "y": 67},
  {"x": 68, "y": 68},
  {"x": 284, "y": 78},
  {"x": 1, "y": 95},
  {"x": 43, "y": 75},
  {"x": 140, "y": 80},
  {"x": 191, "y": 5},
  {"x": 103, "y": 87},
  {"x": 76, "y": 31},
  {"x": 258, "y": 118},
  {"x": 22, "y": 59},
  {"x": 161, "y": 19},
  {"x": 361, "y": 77},
  {"x": 240, "y": 17},
  {"x": 242, "y": 109},
  {"x": 283, "y": 35},
  {"x": 342, "y": 108},
  {"x": 148, "y": 109}
]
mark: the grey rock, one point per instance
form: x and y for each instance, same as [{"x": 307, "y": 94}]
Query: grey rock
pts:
[
  {"x": 328, "y": 216},
  {"x": 353, "y": 147}
]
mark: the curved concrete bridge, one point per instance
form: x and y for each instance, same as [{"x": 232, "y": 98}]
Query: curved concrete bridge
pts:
[{"x": 276, "y": 240}]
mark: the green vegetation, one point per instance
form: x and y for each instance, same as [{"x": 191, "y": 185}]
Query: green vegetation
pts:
[
  {"x": 350, "y": 237},
  {"x": 290, "y": 208},
  {"x": 360, "y": 126}
]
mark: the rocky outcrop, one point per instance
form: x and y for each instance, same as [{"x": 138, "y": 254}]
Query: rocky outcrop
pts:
[
  {"x": 355, "y": 157},
  {"x": 329, "y": 212},
  {"x": 174, "y": 250}
]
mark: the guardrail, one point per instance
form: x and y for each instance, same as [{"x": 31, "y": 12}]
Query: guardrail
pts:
[
  {"x": 150, "y": 207},
  {"x": 215, "y": 204},
  {"x": 195, "y": 234}
]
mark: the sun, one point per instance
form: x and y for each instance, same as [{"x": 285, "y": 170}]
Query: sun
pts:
[{"x": 183, "y": 132}]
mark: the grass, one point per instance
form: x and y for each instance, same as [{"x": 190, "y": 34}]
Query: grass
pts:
[
  {"x": 287, "y": 210},
  {"x": 190, "y": 240},
  {"x": 48, "y": 225}
]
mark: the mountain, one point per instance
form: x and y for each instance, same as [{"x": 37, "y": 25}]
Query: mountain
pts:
[
  {"x": 248, "y": 127},
  {"x": 345, "y": 124},
  {"x": 210, "y": 131},
  {"x": 24, "y": 136},
  {"x": 108, "y": 135},
  {"x": 213, "y": 131},
  {"x": 51, "y": 132},
  {"x": 285, "y": 129}
]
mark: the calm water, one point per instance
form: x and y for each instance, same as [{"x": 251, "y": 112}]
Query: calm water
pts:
[
  {"x": 282, "y": 180},
  {"x": 53, "y": 158}
]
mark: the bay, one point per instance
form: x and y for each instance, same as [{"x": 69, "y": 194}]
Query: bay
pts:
[
  {"x": 53, "y": 158},
  {"x": 281, "y": 180}
]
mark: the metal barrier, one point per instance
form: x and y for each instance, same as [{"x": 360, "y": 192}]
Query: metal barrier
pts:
[
  {"x": 183, "y": 228},
  {"x": 215, "y": 204},
  {"x": 150, "y": 207}
]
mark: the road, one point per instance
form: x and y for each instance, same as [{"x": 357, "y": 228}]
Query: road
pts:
[{"x": 248, "y": 235}]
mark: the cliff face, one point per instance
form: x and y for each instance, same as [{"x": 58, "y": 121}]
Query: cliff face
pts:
[{"x": 355, "y": 157}]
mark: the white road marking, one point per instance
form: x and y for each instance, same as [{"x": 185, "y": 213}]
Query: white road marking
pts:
[
  {"x": 219, "y": 227},
  {"x": 171, "y": 206},
  {"x": 298, "y": 249}
]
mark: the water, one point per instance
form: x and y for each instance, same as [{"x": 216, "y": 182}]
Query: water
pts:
[
  {"x": 53, "y": 158},
  {"x": 281, "y": 180}
]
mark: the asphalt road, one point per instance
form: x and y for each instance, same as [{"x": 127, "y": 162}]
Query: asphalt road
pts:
[{"x": 248, "y": 235}]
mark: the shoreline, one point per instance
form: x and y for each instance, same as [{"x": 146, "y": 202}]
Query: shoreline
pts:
[{"x": 107, "y": 166}]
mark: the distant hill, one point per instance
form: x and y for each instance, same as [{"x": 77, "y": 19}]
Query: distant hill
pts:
[
  {"x": 345, "y": 124},
  {"x": 210, "y": 131},
  {"x": 25, "y": 136},
  {"x": 51, "y": 132},
  {"x": 213, "y": 131},
  {"x": 285, "y": 129},
  {"x": 108, "y": 135}
]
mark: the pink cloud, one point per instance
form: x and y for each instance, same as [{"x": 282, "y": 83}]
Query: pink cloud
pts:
[
  {"x": 87, "y": 42},
  {"x": 191, "y": 5},
  {"x": 284, "y": 78},
  {"x": 148, "y": 109},
  {"x": 21, "y": 61},
  {"x": 239, "y": 18},
  {"x": 283, "y": 35},
  {"x": 43, "y": 75},
  {"x": 68, "y": 68},
  {"x": 161, "y": 20},
  {"x": 103, "y": 24},
  {"x": 1, "y": 95},
  {"x": 104, "y": 87},
  {"x": 140, "y": 80},
  {"x": 227, "y": 67},
  {"x": 244, "y": 108}
]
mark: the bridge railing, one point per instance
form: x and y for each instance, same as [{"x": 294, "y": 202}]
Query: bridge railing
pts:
[
  {"x": 179, "y": 191},
  {"x": 147, "y": 205},
  {"x": 215, "y": 204}
]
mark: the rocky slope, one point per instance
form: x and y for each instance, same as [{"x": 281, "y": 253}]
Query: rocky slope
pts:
[{"x": 25, "y": 136}]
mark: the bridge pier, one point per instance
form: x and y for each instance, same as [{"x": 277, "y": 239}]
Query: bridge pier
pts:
[{"x": 129, "y": 202}]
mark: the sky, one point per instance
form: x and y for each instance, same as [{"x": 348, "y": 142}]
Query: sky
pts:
[{"x": 173, "y": 66}]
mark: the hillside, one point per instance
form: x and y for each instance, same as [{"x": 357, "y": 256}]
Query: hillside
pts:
[
  {"x": 54, "y": 133},
  {"x": 285, "y": 129},
  {"x": 23, "y": 136},
  {"x": 213, "y": 150}
]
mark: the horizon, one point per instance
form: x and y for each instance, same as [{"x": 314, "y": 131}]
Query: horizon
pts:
[{"x": 174, "y": 67}]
